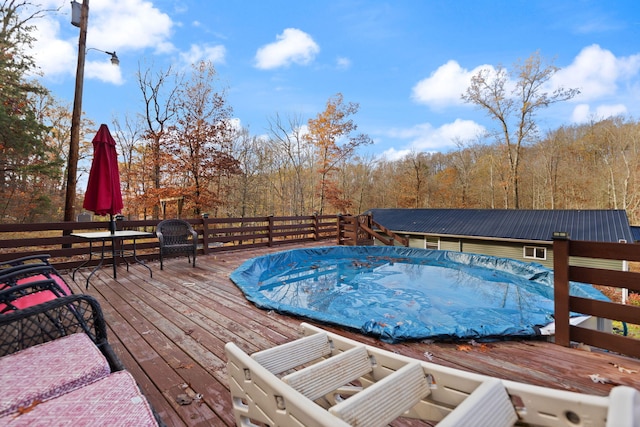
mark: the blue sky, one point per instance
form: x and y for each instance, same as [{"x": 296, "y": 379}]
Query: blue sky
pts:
[{"x": 405, "y": 63}]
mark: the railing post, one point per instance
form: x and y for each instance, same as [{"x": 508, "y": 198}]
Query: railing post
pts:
[
  {"x": 340, "y": 229},
  {"x": 316, "y": 227},
  {"x": 561, "y": 244},
  {"x": 270, "y": 227},
  {"x": 205, "y": 233}
]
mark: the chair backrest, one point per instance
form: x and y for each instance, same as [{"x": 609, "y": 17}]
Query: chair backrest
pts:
[
  {"x": 30, "y": 260},
  {"x": 175, "y": 231},
  {"x": 25, "y": 273}
]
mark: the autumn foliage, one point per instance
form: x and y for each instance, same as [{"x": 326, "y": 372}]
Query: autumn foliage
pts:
[{"x": 184, "y": 153}]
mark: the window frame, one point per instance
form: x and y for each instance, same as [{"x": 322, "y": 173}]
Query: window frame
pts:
[{"x": 535, "y": 252}]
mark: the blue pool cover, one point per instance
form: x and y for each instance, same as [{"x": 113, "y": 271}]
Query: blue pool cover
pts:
[{"x": 398, "y": 293}]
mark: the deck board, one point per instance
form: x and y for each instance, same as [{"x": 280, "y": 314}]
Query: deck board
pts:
[{"x": 170, "y": 332}]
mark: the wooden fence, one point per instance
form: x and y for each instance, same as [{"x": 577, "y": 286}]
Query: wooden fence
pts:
[
  {"x": 564, "y": 272},
  {"x": 362, "y": 229},
  {"x": 223, "y": 234},
  {"x": 214, "y": 234}
]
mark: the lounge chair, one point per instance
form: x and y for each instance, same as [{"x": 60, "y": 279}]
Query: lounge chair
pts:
[{"x": 325, "y": 380}]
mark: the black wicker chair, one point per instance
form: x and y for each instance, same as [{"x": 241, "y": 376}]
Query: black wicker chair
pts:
[
  {"x": 177, "y": 236},
  {"x": 26, "y": 261},
  {"x": 54, "y": 319},
  {"x": 17, "y": 297},
  {"x": 23, "y": 273}
]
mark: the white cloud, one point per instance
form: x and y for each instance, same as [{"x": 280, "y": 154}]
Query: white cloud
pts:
[
  {"x": 292, "y": 46},
  {"x": 214, "y": 54},
  {"x": 113, "y": 26},
  {"x": 104, "y": 71},
  {"x": 597, "y": 73},
  {"x": 343, "y": 63},
  {"x": 445, "y": 86},
  {"x": 392, "y": 154},
  {"x": 582, "y": 112},
  {"x": 134, "y": 24},
  {"x": 425, "y": 137},
  {"x": 54, "y": 57}
]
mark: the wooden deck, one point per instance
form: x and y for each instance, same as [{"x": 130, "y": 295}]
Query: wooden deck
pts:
[{"x": 170, "y": 332}]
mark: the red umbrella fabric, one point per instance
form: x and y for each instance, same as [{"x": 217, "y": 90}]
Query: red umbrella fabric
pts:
[{"x": 103, "y": 195}]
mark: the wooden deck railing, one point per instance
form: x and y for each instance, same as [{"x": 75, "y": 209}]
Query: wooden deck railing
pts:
[
  {"x": 564, "y": 272},
  {"x": 214, "y": 234},
  {"x": 362, "y": 229}
]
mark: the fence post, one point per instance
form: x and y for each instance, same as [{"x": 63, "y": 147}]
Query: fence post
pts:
[
  {"x": 205, "y": 233},
  {"x": 340, "y": 226},
  {"x": 271, "y": 221},
  {"x": 316, "y": 227},
  {"x": 561, "y": 244}
]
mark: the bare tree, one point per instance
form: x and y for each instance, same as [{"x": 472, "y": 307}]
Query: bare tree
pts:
[
  {"x": 289, "y": 139},
  {"x": 515, "y": 109},
  {"x": 159, "y": 97}
]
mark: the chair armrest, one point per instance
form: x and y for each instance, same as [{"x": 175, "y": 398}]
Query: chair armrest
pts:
[
  {"x": 26, "y": 260},
  {"x": 13, "y": 274},
  {"x": 12, "y": 294},
  {"x": 54, "y": 319},
  {"x": 30, "y": 272}
]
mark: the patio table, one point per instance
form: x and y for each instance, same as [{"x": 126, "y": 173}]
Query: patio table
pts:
[{"x": 117, "y": 236}]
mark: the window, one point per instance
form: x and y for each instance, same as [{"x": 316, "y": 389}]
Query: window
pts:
[
  {"x": 535, "y": 252},
  {"x": 431, "y": 243}
]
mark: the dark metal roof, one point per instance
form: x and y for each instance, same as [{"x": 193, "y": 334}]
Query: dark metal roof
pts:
[
  {"x": 635, "y": 230},
  {"x": 519, "y": 224}
]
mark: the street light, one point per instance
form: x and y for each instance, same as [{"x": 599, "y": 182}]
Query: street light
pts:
[
  {"x": 79, "y": 18},
  {"x": 114, "y": 58}
]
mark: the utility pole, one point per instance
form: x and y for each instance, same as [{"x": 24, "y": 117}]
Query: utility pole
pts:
[{"x": 74, "y": 146}]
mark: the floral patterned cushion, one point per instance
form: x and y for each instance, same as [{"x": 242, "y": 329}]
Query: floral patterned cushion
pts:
[
  {"x": 114, "y": 401},
  {"x": 48, "y": 370}
]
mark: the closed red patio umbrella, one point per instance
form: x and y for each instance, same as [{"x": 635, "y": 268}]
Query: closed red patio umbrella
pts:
[{"x": 103, "y": 195}]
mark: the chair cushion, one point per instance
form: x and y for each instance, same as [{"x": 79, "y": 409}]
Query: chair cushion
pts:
[
  {"x": 37, "y": 297},
  {"x": 114, "y": 401},
  {"x": 47, "y": 370},
  {"x": 59, "y": 280}
]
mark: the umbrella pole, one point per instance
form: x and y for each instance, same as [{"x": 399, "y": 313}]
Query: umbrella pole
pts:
[
  {"x": 112, "y": 229},
  {"x": 112, "y": 224}
]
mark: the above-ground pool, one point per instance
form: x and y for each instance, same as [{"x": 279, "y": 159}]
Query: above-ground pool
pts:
[{"x": 398, "y": 293}]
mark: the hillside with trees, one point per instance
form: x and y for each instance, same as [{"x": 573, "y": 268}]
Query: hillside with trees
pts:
[{"x": 184, "y": 144}]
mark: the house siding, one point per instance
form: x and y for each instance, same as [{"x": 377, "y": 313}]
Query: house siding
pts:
[
  {"x": 499, "y": 249},
  {"x": 505, "y": 232},
  {"x": 449, "y": 244},
  {"x": 512, "y": 250},
  {"x": 416, "y": 242},
  {"x": 609, "y": 264}
]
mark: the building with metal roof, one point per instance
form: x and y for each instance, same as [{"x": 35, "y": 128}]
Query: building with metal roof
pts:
[{"x": 521, "y": 234}]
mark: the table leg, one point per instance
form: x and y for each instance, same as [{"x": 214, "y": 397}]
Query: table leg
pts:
[
  {"x": 113, "y": 256},
  {"x": 139, "y": 261},
  {"x": 73, "y": 273},
  {"x": 99, "y": 264}
]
